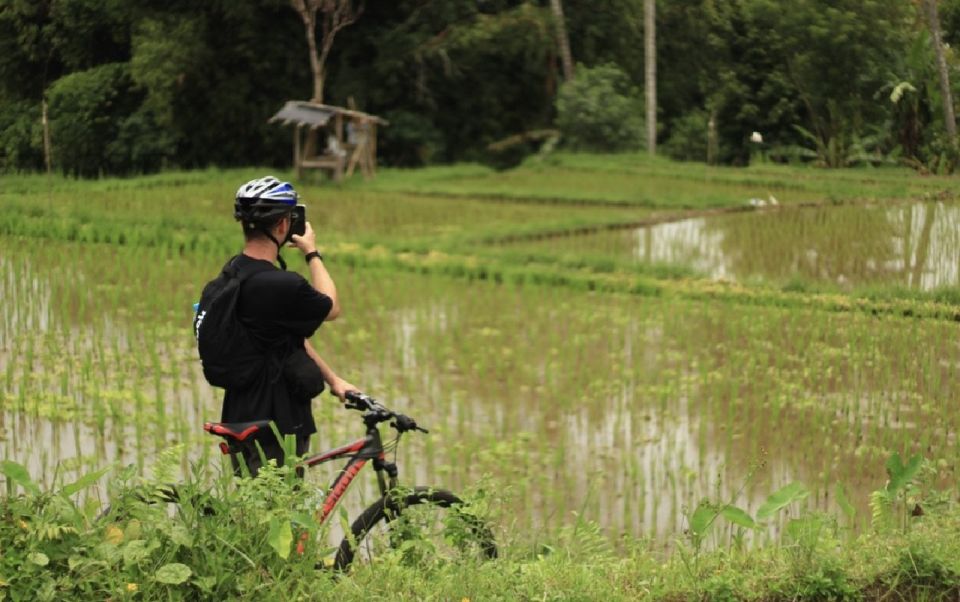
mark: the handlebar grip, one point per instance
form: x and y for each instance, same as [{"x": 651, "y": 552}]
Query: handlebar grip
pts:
[{"x": 357, "y": 401}]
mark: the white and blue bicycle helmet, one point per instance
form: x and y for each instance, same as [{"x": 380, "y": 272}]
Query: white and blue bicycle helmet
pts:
[
  {"x": 262, "y": 202},
  {"x": 263, "y": 199}
]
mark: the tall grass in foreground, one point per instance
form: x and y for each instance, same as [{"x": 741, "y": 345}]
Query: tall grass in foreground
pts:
[{"x": 240, "y": 539}]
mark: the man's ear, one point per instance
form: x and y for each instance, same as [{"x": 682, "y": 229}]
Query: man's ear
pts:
[{"x": 283, "y": 226}]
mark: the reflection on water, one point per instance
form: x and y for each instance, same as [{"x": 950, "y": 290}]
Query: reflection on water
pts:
[
  {"x": 915, "y": 245},
  {"x": 623, "y": 410},
  {"x": 687, "y": 242}
]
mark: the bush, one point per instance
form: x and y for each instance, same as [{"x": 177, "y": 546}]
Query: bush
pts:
[
  {"x": 95, "y": 126},
  {"x": 141, "y": 145},
  {"x": 688, "y": 137},
  {"x": 412, "y": 140},
  {"x": 598, "y": 110},
  {"x": 20, "y": 136}
]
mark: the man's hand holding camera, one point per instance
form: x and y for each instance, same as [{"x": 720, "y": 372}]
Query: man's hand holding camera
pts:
[{"x": 307, "y": 243}]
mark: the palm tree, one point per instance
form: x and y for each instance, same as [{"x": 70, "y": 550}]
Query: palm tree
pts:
[
  {"x": 566, "y": 59},
  {"x": 933, "y": 20},
  {"x": 650, "y": 60}
]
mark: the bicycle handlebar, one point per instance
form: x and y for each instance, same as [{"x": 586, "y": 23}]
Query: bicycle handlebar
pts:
[{"x": 375, "y": 412}]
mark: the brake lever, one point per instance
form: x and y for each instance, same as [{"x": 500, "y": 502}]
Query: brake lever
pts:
[
  {"x": 353, "y": 404},
  {"x": 404, "y": 423}
]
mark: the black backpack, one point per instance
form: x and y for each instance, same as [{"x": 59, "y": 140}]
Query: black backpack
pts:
[{"x": 230, "y": 357}]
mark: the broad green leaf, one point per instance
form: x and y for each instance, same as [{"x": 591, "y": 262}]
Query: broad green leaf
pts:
[
  {"x": 181, "y": 536},
  {"x": 84, "y": 482},
  {"x": 782, "y": 498},
  {"x": 738, "y": 516},
  {"x": 206, "y": 584},
  {"x": 280, "y": 536},
  {"x": 137, "y": 550},
  {"x": 840, "y": 492},
  {"x": 702, "y": 519},
  {"x": 174, "y": 573},
  {"x": 304, "y": 519},
  {"x": 38, "y": 558},
  {"x": 19, "y": 475},
  {"x": 113, "y": 534},
  {"x": 109, "y": 553},
  {"x": 133, "y": 530},
  {"x": 900, "y": 474},
  {"x": 806, "y": 530},
  {"x": 894, "y": 466}
]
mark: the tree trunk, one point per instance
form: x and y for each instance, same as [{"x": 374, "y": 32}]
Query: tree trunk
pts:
[
  {"x": 650, "y": 60},
  {"x": 47, "y": 153},
  {"x": 316, "y": 67},
  {"x": 933, "y": 20},
  {"x": 713, "y": 144},
  {"x": 318, "y": 77},
  {"x": 563, "y": 42}
]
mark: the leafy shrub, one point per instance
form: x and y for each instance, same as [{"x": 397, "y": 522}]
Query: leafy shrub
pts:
[
  {"x": 922, "y": 572},
  {"x": 412, "y": 140},
  {"x": 20, "y": 136},
  {"x": 599, "y": 110},
  {"x": 95, "y": 125},
  {"x": 54, "y": 550},
  {"x": 688, "y": 137},
  {"x": 141, "y": 144}
]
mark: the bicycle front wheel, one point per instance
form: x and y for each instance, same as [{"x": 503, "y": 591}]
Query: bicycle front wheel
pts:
[{"x": 423, "y": 525}]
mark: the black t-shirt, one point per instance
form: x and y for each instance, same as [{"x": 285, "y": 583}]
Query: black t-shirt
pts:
[{"x": 281, "y": 309}]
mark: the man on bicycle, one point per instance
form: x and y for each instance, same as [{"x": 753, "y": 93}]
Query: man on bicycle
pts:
[{"x": 281, "y": 311}]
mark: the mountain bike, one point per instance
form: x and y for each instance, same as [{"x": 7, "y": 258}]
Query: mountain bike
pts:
[{"x": 422, "y": 520}]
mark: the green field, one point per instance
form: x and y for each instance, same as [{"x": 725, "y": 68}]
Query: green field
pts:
[{"x": 562, "y": 355}]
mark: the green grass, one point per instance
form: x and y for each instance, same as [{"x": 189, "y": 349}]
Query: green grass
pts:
[
  {"x": 546, "y": 366},
  {"x": 638, "y": 180},
  {"x": 141, "y": 550}
]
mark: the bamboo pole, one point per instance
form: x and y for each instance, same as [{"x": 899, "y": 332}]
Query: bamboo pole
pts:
[{"x": 47, "y": 158}]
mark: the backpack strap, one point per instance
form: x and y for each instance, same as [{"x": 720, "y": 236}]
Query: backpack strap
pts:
[{"x": 230, "y": 269}]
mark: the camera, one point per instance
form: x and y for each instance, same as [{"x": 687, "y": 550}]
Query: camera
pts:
[{"x": 298, "y": 220}]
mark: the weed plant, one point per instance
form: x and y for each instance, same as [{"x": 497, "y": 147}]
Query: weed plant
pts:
[{"x": 242, "y": 538}]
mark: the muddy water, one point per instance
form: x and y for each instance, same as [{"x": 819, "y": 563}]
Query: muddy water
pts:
[
  {"x": 913, "y": 245},
  {"x": 623, "y": 410}
]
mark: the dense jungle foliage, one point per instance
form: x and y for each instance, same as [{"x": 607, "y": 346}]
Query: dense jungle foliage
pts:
[{"x": 135, "y": 86}]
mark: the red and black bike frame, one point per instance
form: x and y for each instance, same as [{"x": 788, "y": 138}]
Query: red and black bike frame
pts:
[{"x": 359, "y": 452}]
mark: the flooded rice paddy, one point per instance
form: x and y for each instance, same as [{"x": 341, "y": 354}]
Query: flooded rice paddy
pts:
[
  {"x": 625, "y": 410},
  {"x": 909, "y": 245}
]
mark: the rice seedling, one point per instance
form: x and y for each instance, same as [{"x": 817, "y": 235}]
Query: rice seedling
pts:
[{"x": 586, "y": 387}]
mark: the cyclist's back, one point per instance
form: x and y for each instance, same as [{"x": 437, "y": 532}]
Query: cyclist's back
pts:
[{"x": 280, "y": 311}]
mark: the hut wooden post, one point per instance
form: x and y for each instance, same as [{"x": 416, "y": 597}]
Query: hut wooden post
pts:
[
  {"x": 338, "y": 128},
  {"x": 297, "y": 159},
  {"x": 372, "y": 148}
]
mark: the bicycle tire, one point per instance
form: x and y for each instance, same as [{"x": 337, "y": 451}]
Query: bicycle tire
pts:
[{"x": 391, "y": 508}]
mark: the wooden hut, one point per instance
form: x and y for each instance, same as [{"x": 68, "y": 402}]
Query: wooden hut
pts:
[{"x": 351, "y": 139}]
